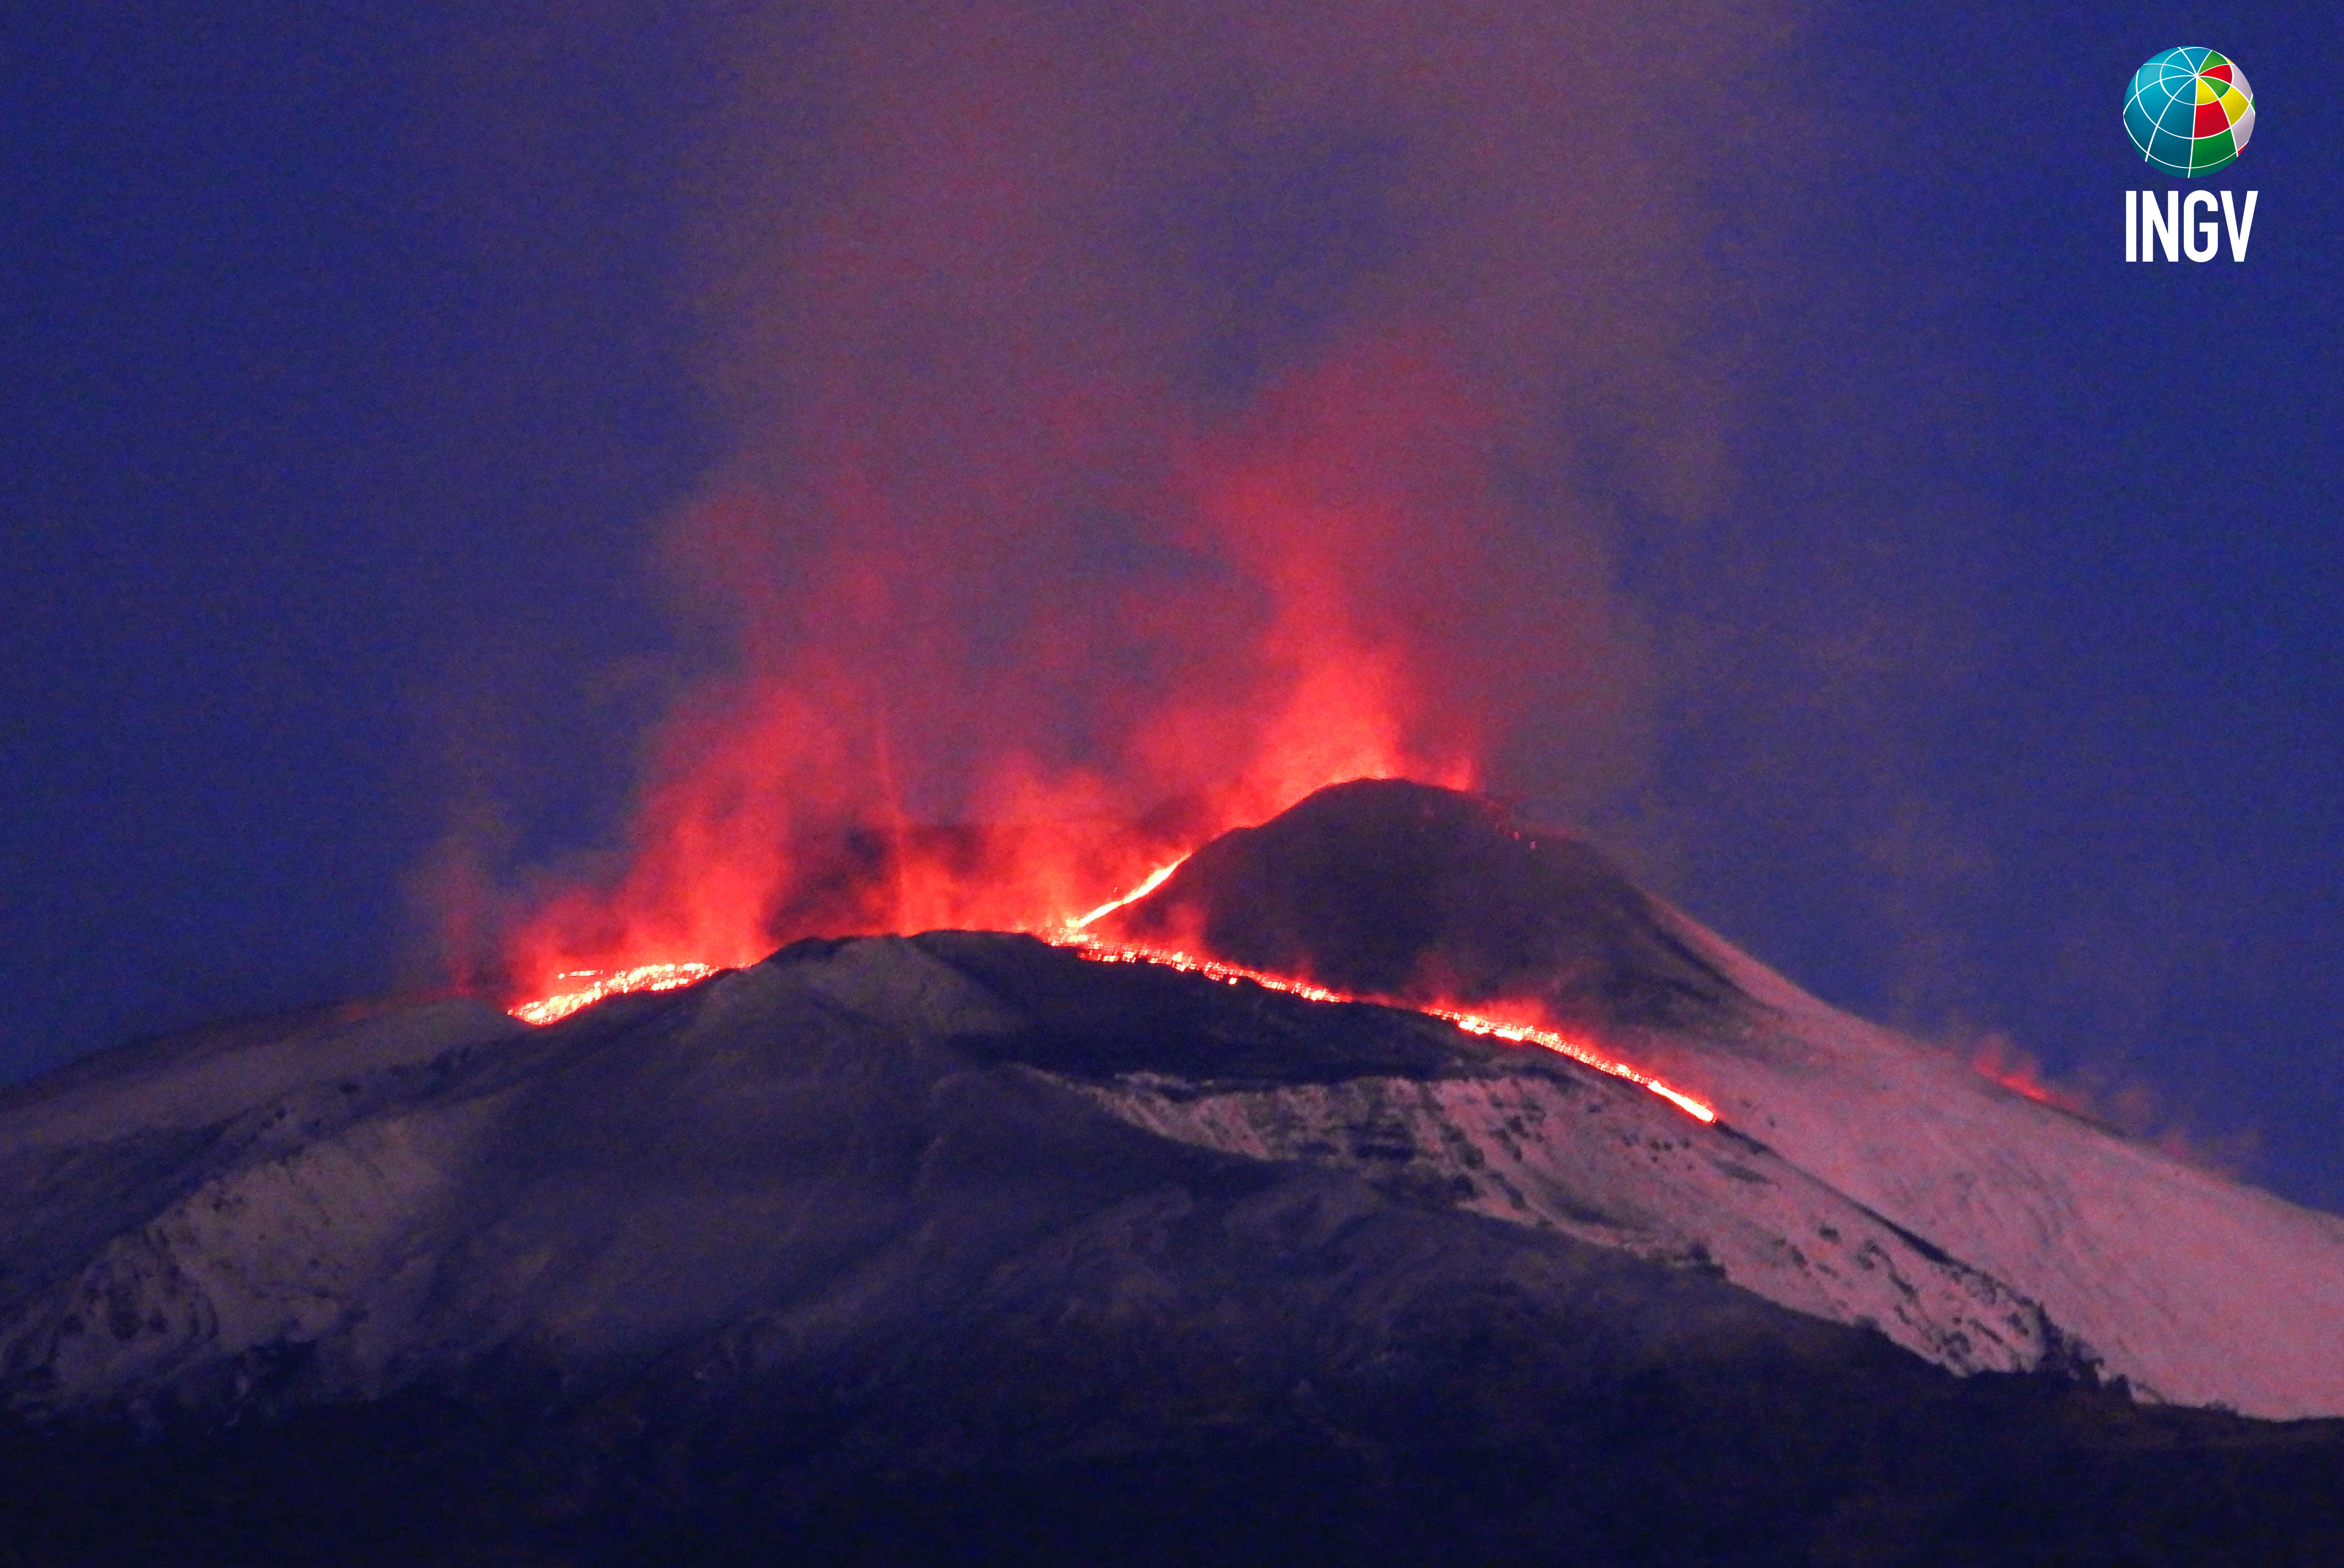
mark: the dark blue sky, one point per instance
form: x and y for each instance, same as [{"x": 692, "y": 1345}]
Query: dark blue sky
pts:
[{"x": 350, "y": 366}]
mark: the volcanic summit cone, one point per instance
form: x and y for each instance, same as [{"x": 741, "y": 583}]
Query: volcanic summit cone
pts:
[{"x": 1383, "y": 887}]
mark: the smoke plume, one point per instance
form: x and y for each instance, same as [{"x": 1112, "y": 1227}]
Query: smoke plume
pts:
[{"x": 1142, "y": 415}]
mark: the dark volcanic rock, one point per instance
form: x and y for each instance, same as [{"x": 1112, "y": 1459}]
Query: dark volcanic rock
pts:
[{"x": 1384, "y": 888}]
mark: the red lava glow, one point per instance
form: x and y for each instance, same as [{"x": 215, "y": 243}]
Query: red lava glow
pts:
[
  {"x": 1998, "y": 1059},
  {"x": 588, "y": 986},
  {"x": 1471, "y": 1023},
  {"x": 1310, "y": 609},
  {"x": 1044, "y": 507},
  {"x": 1156, "y": 879},
  {"x": 727, "y": 880}
]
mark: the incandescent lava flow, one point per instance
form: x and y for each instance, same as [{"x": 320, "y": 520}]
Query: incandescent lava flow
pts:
[
  {"x": 588, "y": 986},
  {"x": 1387, "y": 892}
]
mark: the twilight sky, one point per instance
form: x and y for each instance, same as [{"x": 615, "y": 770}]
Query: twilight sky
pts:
[{"x": 409, "y": 408}]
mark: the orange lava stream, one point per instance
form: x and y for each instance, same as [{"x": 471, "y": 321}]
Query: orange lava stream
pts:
[
  {"x": 1156, "y": 879},
  {"x": 600, "y": 983},
  {"x": 1074, "y": 934},
  {"x": 1471, "y": 1023}
]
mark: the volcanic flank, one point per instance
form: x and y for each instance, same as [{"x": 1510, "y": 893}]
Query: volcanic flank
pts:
[
  {"x": 968, "y": 1246},
  {"x": 2193, "y": 1288}
]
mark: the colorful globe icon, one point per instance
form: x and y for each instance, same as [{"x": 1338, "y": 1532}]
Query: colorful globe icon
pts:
[{"x": 2189, "y": 111}]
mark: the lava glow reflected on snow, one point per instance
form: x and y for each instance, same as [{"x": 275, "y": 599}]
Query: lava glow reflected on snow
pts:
[{"x": 593, "y": 985}]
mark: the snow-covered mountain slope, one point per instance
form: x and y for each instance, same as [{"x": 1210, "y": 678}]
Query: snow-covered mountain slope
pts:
[
  {"x": 836, "y": 1150},
  {"x": 194, "y": 1079},
  {"x": 2196, "y": 1288},
  {"x": 1565, "y": 1150},
  {"x": 97, "y": 1149}
]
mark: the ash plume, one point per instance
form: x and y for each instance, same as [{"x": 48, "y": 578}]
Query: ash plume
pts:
[{"x": 1132, "y": 406}]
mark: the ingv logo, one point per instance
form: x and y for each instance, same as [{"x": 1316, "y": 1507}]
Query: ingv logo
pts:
[
  {"x": 2180, "y": 231},
  {"x": 2189, "y": 111}
]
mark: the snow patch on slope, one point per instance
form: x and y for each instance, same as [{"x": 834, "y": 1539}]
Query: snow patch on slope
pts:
[
  {"x": 1606, "y": 1164},
  {"x": 2197, "y": 1288}
]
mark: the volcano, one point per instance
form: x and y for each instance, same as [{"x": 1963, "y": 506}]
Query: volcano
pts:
[{"x": 968, "y": 1247}]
